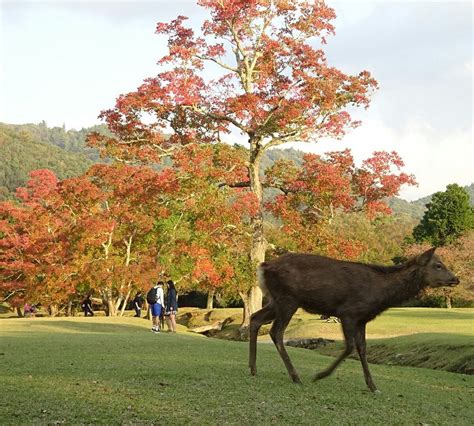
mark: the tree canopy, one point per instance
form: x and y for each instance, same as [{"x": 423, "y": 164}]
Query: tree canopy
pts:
[{"x": 448, "y": 215}]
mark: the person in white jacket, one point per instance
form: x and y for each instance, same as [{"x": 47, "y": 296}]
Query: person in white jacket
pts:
[{"x": 155, "y": 298}]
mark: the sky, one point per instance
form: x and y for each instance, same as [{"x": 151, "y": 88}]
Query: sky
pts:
[{"x": 64, "y": 61}]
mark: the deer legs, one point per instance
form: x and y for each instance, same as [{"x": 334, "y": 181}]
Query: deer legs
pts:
[
  {"x": 263, "y": 316},
  {"x": 349, "y": 334},
  {"x": 360, "y": 344},
  {"x": 352, "y": 334},
  {"x": 280, "y": 321},
  {"x": 283, "y": 317}
]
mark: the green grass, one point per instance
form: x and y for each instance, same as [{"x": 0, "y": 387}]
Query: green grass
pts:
[
  {"x": 115, "y": 371},
  {"x": 394, "y": 322}
]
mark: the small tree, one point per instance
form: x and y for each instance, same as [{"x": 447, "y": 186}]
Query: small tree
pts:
[{"x": 448, "y": 216}]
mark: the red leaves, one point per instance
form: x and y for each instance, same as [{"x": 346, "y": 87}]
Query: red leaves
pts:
[
  {"x": 324, "y": 187},
  {"x": 86, "y": 227},
  {"x": 274, "y": 85},
  {"x": 378, "y": 179},
  {"x": 41, "y": 183}
]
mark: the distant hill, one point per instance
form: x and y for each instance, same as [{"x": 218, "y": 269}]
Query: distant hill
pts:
[
  {"x": 73, "y": 141},
  {"x": 26, "y": 147},
  {"x": 470, "y": 190}
]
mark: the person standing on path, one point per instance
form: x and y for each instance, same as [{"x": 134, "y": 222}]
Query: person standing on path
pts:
[
  {"x": 155, "y": 299},
  {"x": 171, "y": 306}
]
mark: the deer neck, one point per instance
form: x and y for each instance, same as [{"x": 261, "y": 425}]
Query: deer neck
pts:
[{"x": 401, "y": 286}]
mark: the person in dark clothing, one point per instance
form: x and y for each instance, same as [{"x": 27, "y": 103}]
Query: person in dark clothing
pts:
[
  {"x": 87, "y": 306},
  {"x": 138, "y": 304},
  {"x": 171, "y": 306}
]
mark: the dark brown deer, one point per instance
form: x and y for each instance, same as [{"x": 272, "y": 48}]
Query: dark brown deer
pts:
[{"x": 354, "y": 292}]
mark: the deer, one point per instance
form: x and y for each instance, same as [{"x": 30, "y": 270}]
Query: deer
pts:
[{"x": 354, "y": 292}]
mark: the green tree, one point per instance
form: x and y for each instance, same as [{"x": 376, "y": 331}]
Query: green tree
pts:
[{"x": 447, "y": 217}]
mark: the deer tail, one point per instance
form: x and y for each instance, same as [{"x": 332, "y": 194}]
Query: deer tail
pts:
[{"x": 261, "y": 279}]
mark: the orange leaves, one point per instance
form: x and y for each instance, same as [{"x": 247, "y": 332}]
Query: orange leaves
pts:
[
  {"x": 41, "y": 183},
  {"x": 97, "y": 228},
  {"x": 326, "y": 186},
  {"x": 380, "y": 177},
  {"x": 245, "y": 204},
  {"x": 274, "y": 84}
]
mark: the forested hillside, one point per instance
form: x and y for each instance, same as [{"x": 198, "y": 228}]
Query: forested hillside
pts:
[
  {"x": 22, "y": 151},
  {"x": 70, "y": 140},
  {"x": 26, "y": 147}
]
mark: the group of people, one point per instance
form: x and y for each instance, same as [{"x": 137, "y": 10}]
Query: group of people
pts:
[{"x": 161, "y": 306}]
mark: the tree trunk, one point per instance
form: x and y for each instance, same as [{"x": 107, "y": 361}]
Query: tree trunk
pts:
[
  {"x": 108, "y": 302},
  {"x": 253, "y": 298},
  {"x": 449, "y": 301},
  {"x": 117, "y": 303},
  {"x": 69, "y": 309},
  {"x": 110, "y": 306},
  {"x": 19, "y": 312},
  {"x": 125, "y": 302},
  {"x": 53, "y": 310},
  {"x": 148, "y": 313},
  {"x": 210, "y": 300}
]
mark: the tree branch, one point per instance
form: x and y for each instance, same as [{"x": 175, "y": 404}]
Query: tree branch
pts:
[
  {"x": 221, "y": 64},
  {"x": 235, "y": 185}
]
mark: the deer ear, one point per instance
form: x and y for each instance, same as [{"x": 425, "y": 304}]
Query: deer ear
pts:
[{"x": 424, "y": 258}]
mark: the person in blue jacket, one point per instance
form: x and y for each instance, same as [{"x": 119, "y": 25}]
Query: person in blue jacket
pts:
[{"x": 171, "y": 306}]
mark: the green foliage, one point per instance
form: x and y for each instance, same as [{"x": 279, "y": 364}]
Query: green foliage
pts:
[
  {"x": 30, "y": 147},
  {"x": 448, "y": 216},
  {"x": 422, "y": 202},
  {"x": 69, "y": 141}
]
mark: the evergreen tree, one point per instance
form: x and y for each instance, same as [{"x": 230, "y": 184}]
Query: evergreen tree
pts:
[{"x": 447, "y": 217}]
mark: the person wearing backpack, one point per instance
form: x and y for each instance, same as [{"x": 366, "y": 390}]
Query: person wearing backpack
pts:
[{"x": 155, "y": 299}]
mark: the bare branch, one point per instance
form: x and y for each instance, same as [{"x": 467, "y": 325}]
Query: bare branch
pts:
[
  {"x": 235, "y": 185},
  {"x": 221, "y": 64}
]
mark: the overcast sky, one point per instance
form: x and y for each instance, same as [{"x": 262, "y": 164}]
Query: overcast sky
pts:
[{"x": 64, "y": 61}]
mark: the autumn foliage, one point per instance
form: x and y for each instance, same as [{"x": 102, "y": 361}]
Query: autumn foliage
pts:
[{"x": 258, "y": 70}]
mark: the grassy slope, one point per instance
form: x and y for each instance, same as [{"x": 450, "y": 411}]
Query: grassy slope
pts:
[
  {"x": 102, "y": 370},
  {"x": 431, "y": 338}
]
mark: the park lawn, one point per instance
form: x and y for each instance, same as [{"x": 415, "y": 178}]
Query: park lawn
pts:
[
  {"x": 394, "y": 322},
  {"x": 115, "y": 371}
]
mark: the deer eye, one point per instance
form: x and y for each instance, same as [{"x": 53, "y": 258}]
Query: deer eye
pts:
[{"x": 439, "y": 266}]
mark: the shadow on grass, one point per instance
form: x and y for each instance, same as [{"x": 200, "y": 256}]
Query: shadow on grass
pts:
[
  {"x": 84, "y": 326},
  {"x": 431, "y": 314}
]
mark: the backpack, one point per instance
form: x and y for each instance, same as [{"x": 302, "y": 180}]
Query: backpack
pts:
[{"x": 152, "y": 296}]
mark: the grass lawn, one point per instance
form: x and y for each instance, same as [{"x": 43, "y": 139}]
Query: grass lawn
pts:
[{"x": 115, "y": 371}]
